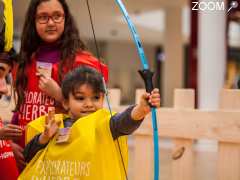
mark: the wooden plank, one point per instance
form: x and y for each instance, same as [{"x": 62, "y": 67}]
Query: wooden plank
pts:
[
  {"x": 182, "y": 160},
  {"x": 194, "y": 124},
  {"x": 142, "y": 158},
  {"x": 228, "y": 161},
  {"x": 184, "y": 99},
  {"x": 182, "y": 153},
  {"x": 143, "y": 151},
  {"x": 229, "y": 99},
  {"x": 229, "y": 154}
]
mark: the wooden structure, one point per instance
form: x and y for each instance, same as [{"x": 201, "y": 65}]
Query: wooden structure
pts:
[{"x": 184, "y": 125}]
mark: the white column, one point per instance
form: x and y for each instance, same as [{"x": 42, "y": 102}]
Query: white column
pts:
[
  {"x": 211, "y": 60},
  {"x": 212, "y": 56}
]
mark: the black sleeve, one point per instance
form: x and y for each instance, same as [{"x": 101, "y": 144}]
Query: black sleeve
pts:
[
  {"x": 32, "y": 148},
  {"x": 122, "y": 124}
]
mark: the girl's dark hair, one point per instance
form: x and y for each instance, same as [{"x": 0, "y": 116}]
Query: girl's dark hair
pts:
[
  {"x": 80, "y": 76},
  {"x": 69, "y": 44}
]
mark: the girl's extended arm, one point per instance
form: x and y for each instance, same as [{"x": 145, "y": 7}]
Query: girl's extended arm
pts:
[
  {"x": 128, "y": 121},
  {"x": 143, "y": 108}
]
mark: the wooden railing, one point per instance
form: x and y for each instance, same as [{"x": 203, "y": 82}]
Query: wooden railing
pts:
[{"x": 184, "y": 125}]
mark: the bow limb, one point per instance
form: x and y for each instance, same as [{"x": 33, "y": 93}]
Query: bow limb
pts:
[
  {"x": 146, "y": 74},
  {"x": 105, "y": 87}
]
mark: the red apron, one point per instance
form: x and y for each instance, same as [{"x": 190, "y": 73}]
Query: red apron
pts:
[{"x": 8, "y": 166}]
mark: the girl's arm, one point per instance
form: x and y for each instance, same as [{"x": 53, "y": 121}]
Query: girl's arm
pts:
[
  {"x": 143, "y": 108},
  {"x": 32, "y": 148},
  {"x": 128, "y": 121},
  {"x": 40, "y": 141},
  {"x": 51, "y": 127},
  {"x": 122, "y": 124}
]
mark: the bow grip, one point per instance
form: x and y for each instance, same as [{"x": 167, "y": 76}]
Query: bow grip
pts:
[{"x": 147, "y": 75}]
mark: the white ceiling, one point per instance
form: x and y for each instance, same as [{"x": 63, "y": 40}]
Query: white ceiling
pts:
[{"x": 148, "y": 16}]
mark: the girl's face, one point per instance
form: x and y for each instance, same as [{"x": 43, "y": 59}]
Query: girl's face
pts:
[
  {"x": 83, "y": 102},
  {"x": 50, "y": 20}
]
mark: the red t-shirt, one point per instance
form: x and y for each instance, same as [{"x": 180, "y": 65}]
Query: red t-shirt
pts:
[
  {"x": 84, "y": 58},
  {"x": 8, "y": 166},
  {"x": 36, "y": 102}
]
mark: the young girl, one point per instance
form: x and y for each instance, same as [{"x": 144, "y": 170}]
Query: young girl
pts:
[
  {"x": 87, "y": 147},
  {"x": 50, "y": 47}
]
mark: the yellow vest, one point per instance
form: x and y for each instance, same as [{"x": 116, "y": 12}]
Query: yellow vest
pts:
[{"x": 90, "y": 154}]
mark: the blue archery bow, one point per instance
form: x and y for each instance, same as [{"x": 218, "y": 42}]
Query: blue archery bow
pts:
[{"x": 146, "y": 74}]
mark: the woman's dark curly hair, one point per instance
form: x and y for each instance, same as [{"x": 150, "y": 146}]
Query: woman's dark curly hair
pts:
[{"x": 69, "y": 44}]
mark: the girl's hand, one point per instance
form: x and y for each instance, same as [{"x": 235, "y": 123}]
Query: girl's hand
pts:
[
  {"x": 50, "y": 87},
  {"x": 143, "y": 108},
  {"x": 154, "y": 98},
  {"x": 51, "y": 127},
  {"x": 10, "y": 131}
]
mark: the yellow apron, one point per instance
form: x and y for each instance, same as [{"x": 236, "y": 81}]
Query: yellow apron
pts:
[{"x": 90, "y": 154}]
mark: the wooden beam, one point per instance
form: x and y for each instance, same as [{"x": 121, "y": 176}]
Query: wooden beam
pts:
[{"x": 195, "y": 124}]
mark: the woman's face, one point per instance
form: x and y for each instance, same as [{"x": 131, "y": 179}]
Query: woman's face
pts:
[
  {"x": 4, "y": 70},
  {"x": 50, "y": 20}
]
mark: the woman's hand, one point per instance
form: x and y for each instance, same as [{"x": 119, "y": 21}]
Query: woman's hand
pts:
[
  {"x": 143, "y": 108},
  {"x": 51, "y": 127},
  {"x": 18, "y": 154},
  {"x": 50, "y": 87},
  {"x": 10, "y": 131}
]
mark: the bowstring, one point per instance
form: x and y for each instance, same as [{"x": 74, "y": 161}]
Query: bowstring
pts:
[{"x": 104, "y": 83}]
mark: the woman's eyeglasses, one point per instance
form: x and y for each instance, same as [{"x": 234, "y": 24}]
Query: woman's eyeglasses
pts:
[{"x": 44, "y": 18}]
